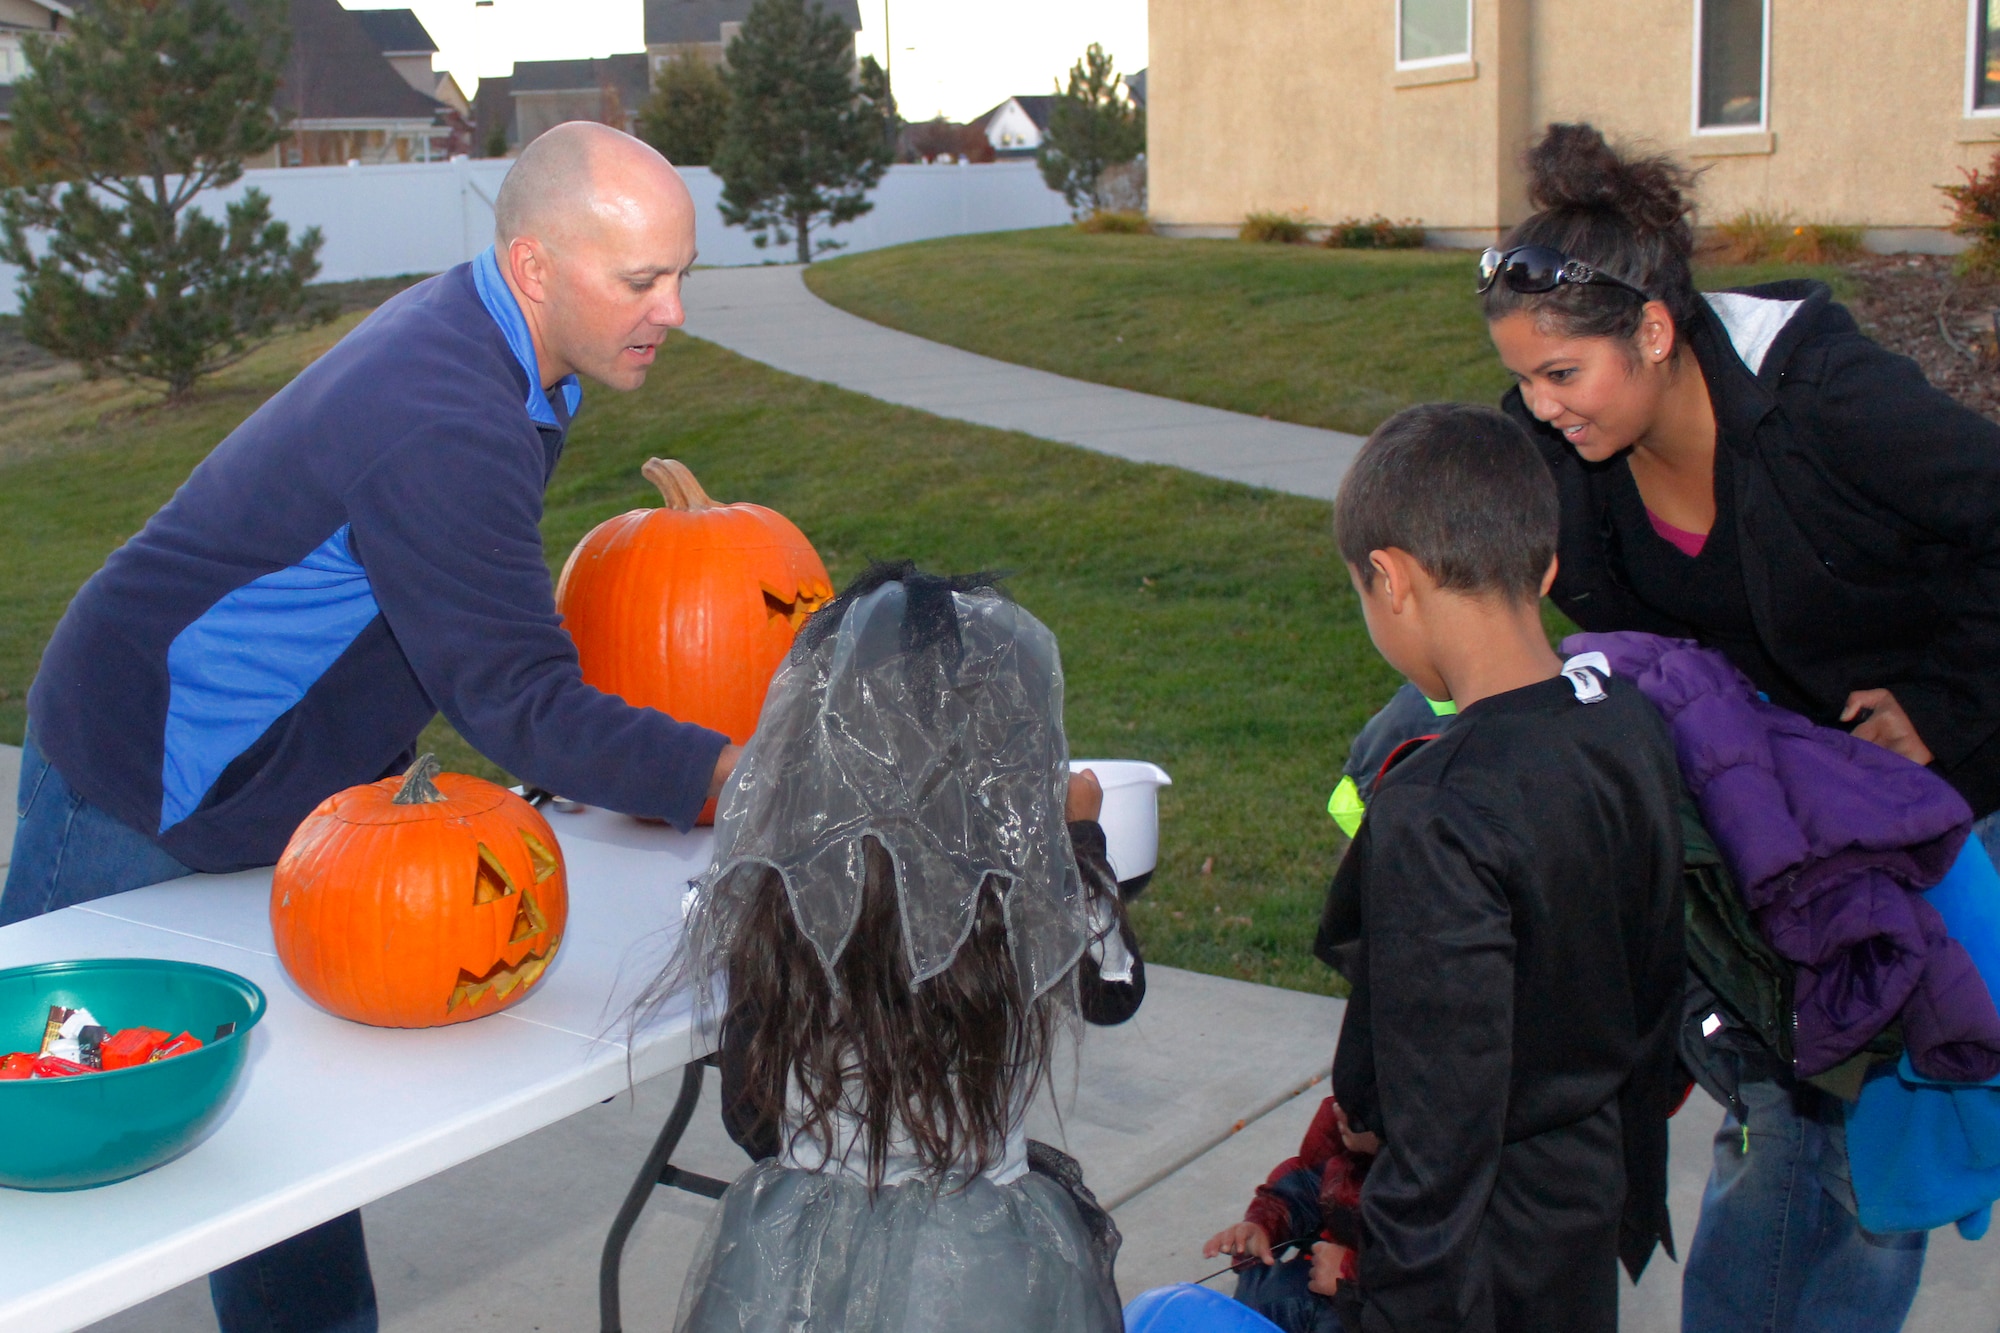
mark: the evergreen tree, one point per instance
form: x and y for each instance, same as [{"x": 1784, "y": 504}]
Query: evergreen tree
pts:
[
  {"x": 806, "y": 138},
  {"x": 1093, "y": 124},
  {"x": 118, "y": 127},
  {"x": 688, "y": 111}
]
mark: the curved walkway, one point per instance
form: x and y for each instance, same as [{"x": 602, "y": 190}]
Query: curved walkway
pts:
[{"x": 768, "y": 314}]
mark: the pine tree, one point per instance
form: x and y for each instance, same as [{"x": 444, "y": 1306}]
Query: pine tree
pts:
[
  {"x": 118, "y": 127},
  {"x": 806, "y": 139},
  {"x": 1093, "y": 125},
  {"x": 688, "y": 111}
]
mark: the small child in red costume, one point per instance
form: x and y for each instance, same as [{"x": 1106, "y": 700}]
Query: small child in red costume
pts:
[{"x": 1314, "y": 1201}]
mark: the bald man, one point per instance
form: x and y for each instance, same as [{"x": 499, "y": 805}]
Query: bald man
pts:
[{"x": 360, "y": 555}]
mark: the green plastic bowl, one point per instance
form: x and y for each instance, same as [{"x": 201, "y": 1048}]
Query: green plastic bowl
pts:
[{"x": 92, "y": 1129}]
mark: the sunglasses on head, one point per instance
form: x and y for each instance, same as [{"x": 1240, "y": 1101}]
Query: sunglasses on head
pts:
[{"x": 1538, "y": 268}]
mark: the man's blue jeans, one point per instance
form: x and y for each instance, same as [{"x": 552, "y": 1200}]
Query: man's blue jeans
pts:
[{"x": 67, "y": 851}]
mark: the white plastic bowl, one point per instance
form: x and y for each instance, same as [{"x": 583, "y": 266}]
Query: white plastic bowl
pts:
[{"x": 1131, "y": 817}]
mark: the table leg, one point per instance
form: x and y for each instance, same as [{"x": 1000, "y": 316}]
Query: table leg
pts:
[{"x": 658, "y": 1170}]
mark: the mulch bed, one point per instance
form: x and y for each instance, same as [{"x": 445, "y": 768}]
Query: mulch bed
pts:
[{"x": 1899, "y": 304}]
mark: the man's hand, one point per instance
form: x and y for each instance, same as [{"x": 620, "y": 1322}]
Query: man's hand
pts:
[
  {"x": 1888, "y": 726},
  {"x": 725, "y": 764},
  {"x": 1086, "y": 797},
  {"x": 1243, "y": 1238},
  {"x": 1327, "y": 1259}
]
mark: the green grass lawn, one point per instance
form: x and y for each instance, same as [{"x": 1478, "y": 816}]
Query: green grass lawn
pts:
[
  {"x": 1336, "y": 338},
  {"x": 1204, "y": 625}
]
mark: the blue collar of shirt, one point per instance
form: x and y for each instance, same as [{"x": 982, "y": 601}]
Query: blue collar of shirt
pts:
[{"x": 499, "y": 301}]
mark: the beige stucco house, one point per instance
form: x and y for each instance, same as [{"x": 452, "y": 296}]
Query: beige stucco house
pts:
[{"x": 1849, "y": 111}]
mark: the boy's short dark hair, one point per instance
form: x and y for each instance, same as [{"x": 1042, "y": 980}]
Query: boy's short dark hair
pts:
[{"x": 1463, "y": 490}]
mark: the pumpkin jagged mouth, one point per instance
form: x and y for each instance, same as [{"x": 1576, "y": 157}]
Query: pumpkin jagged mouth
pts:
[{"x": 501, "y": 979}]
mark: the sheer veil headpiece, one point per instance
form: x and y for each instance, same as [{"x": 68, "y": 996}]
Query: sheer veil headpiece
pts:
[{"x": 924, "y": 713}]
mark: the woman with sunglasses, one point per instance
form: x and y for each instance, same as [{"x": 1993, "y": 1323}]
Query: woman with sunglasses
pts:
[{"x": 1747, "y": 469}]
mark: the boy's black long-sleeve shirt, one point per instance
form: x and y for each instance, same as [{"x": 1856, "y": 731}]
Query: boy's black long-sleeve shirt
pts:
[{"x": 1515, "y": 898}]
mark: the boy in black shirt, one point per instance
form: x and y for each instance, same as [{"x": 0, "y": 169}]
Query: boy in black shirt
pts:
[{"x": 1509, "y": 914}]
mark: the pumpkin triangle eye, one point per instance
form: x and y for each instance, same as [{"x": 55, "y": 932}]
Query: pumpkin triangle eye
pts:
[
  {"x": 528, "y": 919},
  {"x": 493, "y": 881},
  {"x": 539, "y": 856}
]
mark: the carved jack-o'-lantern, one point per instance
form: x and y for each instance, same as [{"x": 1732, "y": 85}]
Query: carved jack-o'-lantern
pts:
[
  {"x": 691, "y": 607},
  {"x": 415, "y": 902}
]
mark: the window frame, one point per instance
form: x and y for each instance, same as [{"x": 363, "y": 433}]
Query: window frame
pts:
[
  {"x": 1763, "y": 125},
  {"x": 1972, "y": 107},
  {"x": 1435, "y": 62}
]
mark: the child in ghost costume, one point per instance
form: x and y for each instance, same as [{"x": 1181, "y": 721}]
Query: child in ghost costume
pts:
[{"x": 908, "y": 924}]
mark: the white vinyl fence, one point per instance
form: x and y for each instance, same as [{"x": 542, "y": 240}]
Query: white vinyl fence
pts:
[{"x": 423, "y": 217}]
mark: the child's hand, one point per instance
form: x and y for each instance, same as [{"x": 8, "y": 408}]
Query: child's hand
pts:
[
  {"x": 1363, "y": 1142},
  {"x": 1086, "y": 797},
  {"x": 1243, "y": 1238},
  {"x": 1327, "y": 1259}
]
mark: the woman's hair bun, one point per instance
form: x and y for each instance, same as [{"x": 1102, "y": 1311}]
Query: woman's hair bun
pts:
[{"x": 1573, "y": 168}]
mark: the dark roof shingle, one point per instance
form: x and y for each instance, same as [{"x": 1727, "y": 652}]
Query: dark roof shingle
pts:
[
  {"x": 625, "y": 71},
  {"x": 335, "y": 72},
  {"x": 395, "y": 31},
  {"x": 681, "y": 22}
]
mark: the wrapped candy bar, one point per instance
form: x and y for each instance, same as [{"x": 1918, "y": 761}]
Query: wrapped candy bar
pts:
[
  {"x": 18, "y": 1065},
  {"x": 68, "y": 1043},
  {"x": 54, "y": 1066},
  {"x": 180, "y": 1045},
  {"x": 132, "y": 1046}
]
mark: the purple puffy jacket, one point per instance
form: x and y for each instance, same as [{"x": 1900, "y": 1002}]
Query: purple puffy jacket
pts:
[{"x": 1833, "y": 842}]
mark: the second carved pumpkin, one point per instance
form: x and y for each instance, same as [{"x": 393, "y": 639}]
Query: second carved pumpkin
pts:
[{"x": 691, "y": 607}]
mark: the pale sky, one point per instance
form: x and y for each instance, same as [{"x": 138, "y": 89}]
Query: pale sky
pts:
[{"x": 950, "y": 56}]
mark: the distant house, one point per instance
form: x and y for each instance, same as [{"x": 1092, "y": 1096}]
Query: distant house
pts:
[
  {"x": 611, "y": 90},
  {"x": 493, "y": 117},
  {"x": 1421, "y": 109},
  {"x": 347, "y": 103},
  {"x": 17, "y": 19},
  {"x": 1015, "y": 127},
  {"x": 1135, "y": 84},
  {"x": 406, "y": 44},
  {"x": 704, "y": 28}
]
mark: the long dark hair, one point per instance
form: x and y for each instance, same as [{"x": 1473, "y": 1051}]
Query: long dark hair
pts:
[
  {"x": 1628, "y": 214},
  {"x": 947, "y": 1061}
]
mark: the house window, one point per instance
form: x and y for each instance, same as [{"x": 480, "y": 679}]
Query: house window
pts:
[
  {"x": 1730, "y": 41},
  {"x": 1433, "y": 32},
  {"x": 1985, "y": 55}
]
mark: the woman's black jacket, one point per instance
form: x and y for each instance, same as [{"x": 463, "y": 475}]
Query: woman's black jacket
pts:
[{"x": 1867, "y": 509}]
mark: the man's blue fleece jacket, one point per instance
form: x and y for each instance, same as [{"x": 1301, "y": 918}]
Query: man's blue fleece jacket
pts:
[{"x": 361, "y": 554}]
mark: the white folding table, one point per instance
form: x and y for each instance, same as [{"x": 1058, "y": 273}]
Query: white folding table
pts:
[{"x": 329, "y": 1114}]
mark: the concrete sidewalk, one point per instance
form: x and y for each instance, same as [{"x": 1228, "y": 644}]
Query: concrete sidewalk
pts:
[{"x": 768, "y": 315}]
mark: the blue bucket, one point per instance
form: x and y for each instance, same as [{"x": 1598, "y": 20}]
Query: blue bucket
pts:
[{"x": 1186, "y": 1308}]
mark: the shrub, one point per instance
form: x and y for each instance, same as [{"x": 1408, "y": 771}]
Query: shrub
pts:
[
  {"x": 1750, "y": 237},
  {"x": 1821, "y": 243},
  {"x": 688, "y": 112},
  {"x": 1278, "y": 228},
  {"x": 117, "y": 129},
  {"x": 1756, "y": 235},
  {"x": 1121, "y": 222},
  {"x": 1377, "y": 233},
  {"x": 1975, "y": 215},
  {"x": 1094, "y": 125}
]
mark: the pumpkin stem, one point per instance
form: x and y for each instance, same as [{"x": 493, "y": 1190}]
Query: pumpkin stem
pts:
[
  {"x": 418, "y": 788},
  {"x": 677, "y": 485}
]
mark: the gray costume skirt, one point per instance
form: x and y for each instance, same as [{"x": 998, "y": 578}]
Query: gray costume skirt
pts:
[{"x": 799, "y": 1250}]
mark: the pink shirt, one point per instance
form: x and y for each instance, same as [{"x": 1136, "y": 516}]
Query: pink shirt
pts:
[{"x": 1687, "y": 543}]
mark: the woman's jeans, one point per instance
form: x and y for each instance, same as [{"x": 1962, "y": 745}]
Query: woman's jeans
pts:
[
  {"x": 67, "y": 851},
  {"x": 1777, "y": 1250}
]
